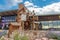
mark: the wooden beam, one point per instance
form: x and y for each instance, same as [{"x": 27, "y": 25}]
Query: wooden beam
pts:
[
  {"x": 14, "y": 12},
  {"x": 4, "y": 13},
  {"x": 0, "y": 14}
]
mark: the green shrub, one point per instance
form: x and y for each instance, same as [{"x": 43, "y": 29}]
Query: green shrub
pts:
[
  {"x": 17, "y": 36},
  {"x": 2, "y": 38},
  {"x": 24, "y": 38}
]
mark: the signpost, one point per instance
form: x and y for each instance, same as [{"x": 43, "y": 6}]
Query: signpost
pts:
[{"x": 23, "y": 17}]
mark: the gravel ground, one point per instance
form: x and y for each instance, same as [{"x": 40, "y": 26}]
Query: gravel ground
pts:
[{"x": 3, "y": 32}]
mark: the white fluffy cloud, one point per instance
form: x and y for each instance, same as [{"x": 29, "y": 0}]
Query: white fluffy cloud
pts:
[
  {"x": 28, "y": 4},
  {"x": 53, "y": 8}
]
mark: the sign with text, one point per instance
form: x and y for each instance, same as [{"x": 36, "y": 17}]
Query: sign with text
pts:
[{"x": 23, "y": 17}]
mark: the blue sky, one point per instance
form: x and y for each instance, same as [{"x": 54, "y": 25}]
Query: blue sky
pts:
[{"x": 43, "y": 6}]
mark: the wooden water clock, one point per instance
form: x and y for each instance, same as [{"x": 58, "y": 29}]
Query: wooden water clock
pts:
[{"x": 20, "y": 19}]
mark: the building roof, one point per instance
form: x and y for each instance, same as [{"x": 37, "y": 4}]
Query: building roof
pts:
[
  {"x": 9, "y": 12},
  {"x": 14, "y": 12}
]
